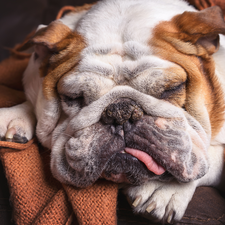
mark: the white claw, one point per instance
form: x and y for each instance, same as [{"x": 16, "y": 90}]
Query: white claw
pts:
[
  {"x": 151, "y": 207},
  {"x": 10, "y": 133},
  {"x": 137, "y": 201},
  {"x": 170, "y": 217}
]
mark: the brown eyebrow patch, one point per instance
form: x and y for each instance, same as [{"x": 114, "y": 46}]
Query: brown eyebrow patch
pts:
[{"x": 203, "y": 88}]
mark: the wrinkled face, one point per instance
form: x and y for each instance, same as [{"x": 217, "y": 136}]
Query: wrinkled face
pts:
[
  {"x": 134, "y": 111},
  {"x": 129, "y": 126}
]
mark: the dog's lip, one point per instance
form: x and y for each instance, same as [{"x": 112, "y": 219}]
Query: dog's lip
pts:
[
  {"x": 117, "y": 178},
  {"x": 149, "y": 162}
]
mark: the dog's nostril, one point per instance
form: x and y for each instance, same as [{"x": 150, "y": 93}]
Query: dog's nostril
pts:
[
  {"x": 121, "y": 111},
  {"x": 137, "y": 114}
]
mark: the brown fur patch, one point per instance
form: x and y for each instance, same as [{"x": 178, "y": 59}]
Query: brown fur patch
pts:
[
  {"x": 176, "y": 78},
  {"x": 64, "y": 47},
  {"x": 180, "y": 41},
  {"x": 61, "y": 63},
  {"x": 51, "y": 35}
]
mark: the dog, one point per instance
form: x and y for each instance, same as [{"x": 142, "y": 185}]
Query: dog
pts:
[{"x": 130, "y": 91}]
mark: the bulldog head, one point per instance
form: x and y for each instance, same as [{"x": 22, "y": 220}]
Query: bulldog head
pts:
[{"x": 130, "y": 95}]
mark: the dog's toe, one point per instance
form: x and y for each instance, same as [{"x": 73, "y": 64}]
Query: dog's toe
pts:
[
  {"x": 17, "y": 123},
  {"x": 3, "y": 130},
  {"x": 2, "y": 138},
  {"x": 18, "y": 139},
  {"x": 12, "y": 135}
]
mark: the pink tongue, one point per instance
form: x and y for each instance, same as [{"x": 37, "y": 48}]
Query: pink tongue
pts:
[{"x": 150, "y": 163}]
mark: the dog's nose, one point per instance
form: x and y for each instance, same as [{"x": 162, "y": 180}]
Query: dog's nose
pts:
[{"x": 120, "y": 111}]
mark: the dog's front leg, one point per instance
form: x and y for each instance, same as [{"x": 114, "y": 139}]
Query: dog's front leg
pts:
[
  {"x": 17, "y": 123},
  {"x": 168, "y": 201}
]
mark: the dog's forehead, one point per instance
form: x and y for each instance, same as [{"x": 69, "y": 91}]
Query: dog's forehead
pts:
[
  {"x": 97, "y": 74},
  {"x": 119, "y": 21},
  {"x": 120, "y": 62},
  {"x": 117, "y": 35}
]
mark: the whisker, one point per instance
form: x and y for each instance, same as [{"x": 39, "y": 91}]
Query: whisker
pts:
[
  {"x": 63, "y": 134},
  {"x": 213, "y": 104}
]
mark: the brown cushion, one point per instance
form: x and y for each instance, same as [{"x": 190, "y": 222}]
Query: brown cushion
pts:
[{"x": 207, "y": 207}]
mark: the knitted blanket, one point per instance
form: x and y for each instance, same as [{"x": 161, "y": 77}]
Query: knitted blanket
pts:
[{"x": 38, "y": 198}]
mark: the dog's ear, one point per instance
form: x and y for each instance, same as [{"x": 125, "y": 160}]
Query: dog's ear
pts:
[
  {"x": 50, "y": 39},
  {"x": 198, "y": 32},
  {"x": 58, "y": 48},
  {"x": 56, "y": 36}
]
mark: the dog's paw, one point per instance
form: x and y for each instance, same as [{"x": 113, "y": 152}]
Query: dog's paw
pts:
[
  {"x": 159, "y": 201},
  {"x": 17, "y": 123}
]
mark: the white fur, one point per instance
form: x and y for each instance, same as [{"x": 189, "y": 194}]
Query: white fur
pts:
[{"x": 115, "y": 20}]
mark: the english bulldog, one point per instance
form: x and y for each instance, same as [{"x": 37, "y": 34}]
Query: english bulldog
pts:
[{"x": 130, "y": 91}]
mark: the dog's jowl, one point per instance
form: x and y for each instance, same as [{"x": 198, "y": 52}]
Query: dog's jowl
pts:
[{"x": 130, "y": 91}]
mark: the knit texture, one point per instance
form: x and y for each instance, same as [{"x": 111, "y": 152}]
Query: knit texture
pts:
[
  {"x": 38, "y": 198},
  {"x": 103, "y": 197}
]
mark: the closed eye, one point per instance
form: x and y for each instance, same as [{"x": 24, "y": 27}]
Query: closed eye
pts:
[
  {"x": 77, "y": 101},
  {"x": 173, "y": 90}
]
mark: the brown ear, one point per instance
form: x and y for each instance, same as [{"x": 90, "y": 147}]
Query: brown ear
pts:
[
  {"x": 202, "y": 28},
  {"x": 53, "y": 38},
  {"x": 59, "y": 49},
  {"x": 56, "y": 36}
]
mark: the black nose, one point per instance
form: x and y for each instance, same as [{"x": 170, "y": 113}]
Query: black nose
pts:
[{"x": 122, "y": 110}]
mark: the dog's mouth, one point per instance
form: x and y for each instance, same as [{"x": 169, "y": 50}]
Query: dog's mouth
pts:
[
  {"x": 139, "y": 160},
  {"x": 132, "y": 151},
  {"x": 140, "y": 133},
  {"x": 149, "y": 162},
  {"x": 150, "y": 151},
  {"x": 151, "y": 148}
]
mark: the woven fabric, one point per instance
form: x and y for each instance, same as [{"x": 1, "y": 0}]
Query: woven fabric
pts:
[
  {"x": 103, "y": 193},
  {"x": 38, "y": 198}
]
